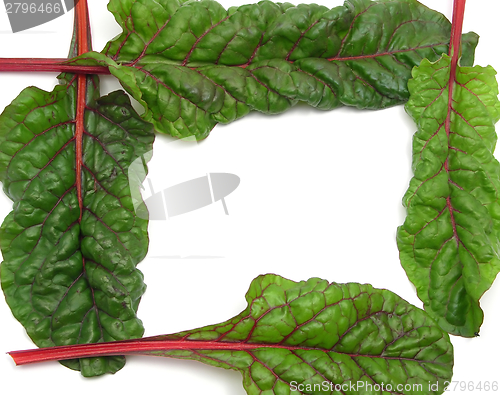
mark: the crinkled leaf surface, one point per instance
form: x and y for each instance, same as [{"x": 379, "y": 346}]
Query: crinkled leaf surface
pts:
[
  {"x": 69, "y": 272},
  {"x": 449, "y": 243},
  {"x": 301, "y": 335},
  {"x": 314, "y": 331},
  {"x": 192, "y": 64}
]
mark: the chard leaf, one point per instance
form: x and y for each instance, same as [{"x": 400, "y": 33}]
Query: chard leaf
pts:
[
  {"x": 72, "y": 241},
  {"x": 307, "y": 335},
  {"x": 193, "y": 64},
  {"x": 449, "y": 243}
]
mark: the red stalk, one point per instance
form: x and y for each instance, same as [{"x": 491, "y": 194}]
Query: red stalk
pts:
[
  {"x": 83, "y": 42},
  {"x": 127, "y": 347},
  {"x": 456, "y": 30},
  {"x": 455, "y": 46},
  {"x": 147, "y": 346},
  {"x": 48, "y": 65}
]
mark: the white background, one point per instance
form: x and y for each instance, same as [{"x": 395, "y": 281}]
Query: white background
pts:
[{"x": 320, "y": 196}]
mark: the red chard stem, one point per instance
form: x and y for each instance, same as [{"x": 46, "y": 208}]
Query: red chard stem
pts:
[
  {"x": 83, "y": 44},
  {"x": 456, "y": 30},
  {"x": 48, "y": 65},
  {"x": 128, "y": 347}
]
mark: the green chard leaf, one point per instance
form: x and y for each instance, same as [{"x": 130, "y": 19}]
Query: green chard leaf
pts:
[
  {"x": 193, "y": 64},
  {"x": 72, "y": 241},
  {"x": 307, "y": 337},
  {"x": 449, "y": 243}
]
